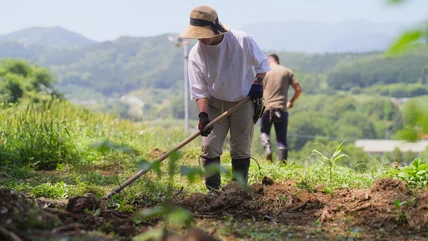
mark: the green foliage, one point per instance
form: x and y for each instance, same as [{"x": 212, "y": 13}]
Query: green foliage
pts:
[
  {"x": 46, "y": 135},
  {"x": 415, "y": 122},
  {"x": 107, "y": 146},
  {"x": 424, "y": 155},
  {"x": 341, "y": 117},
  {"x": 401, "y": 218},
  {"x": 397, "y": 155},
  {"x": 318, "y": 63},
  {"x": 307, "y": 124},
  {"x": 49, "y": 190},
  {"x": 416, "y": 174},
  {"x": 408, "y": 156},
  {"x": 355, "y": 124},
  {"x": 399, "y": 90},
  {"x": 36, "y": 137},
  {"x": 410, "y": 68},
  {"x": 331, "y": 161},
  {"x": 356, "y": 158},
  {"x": 407, "y": 41},
  {"x": 19, "y": 79},
  {"x": 395, "y": 1},
  {"x": 173, "y": 215},
  {"x": 149, "y": 69}
]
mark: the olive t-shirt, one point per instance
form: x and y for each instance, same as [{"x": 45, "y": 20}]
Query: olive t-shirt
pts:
[{"x": 275, "y": 87}]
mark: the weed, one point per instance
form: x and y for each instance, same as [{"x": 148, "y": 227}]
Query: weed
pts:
[
  {"x": 416, "y": 174},
  {"x": 402, "y": 214},
  {"x": 331, "y": 161}
]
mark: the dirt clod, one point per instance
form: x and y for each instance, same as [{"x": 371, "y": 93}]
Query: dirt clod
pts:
[
  {"x": 267, "y": 181},
  {"x": 156, "y": 153},
  {"x": 389, "y": 184},
  {"x": 194, "y": 234},
  {"x": 79, "y": 204},
  {"x": 371, "y": 208},
  {"x": 303, "y": 196}
]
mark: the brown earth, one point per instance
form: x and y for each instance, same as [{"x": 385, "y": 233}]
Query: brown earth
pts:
[
  {"x": 373, "y": 210},
  {"x": 156, "y": 153},
  {"x": 386, "y": 211}
]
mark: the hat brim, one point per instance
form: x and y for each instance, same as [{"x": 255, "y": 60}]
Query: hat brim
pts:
[{"x": 198, "y": 32}]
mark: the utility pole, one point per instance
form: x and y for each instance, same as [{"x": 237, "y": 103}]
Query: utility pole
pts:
[
  {"x": 181, "y": 42},
  {"x": 186, "y": 84}
]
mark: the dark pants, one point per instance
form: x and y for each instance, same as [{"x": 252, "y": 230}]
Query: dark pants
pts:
[{"x": 280, "y": 127}]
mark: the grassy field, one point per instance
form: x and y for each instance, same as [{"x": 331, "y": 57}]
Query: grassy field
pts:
[{"x": 58, "y": 162}]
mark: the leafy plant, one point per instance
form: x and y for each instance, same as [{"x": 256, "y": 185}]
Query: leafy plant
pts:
[
  {"x": 402, "y": 213},
  {"x": 171, "y": 214},
  {"x": 331, "y": 161},
  {"x": 56, "y": 190},
  {"x": 416, "y": 174},
  {"x": 416, "y": 122}
]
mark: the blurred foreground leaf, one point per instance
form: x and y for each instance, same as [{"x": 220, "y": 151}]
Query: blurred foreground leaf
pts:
[
  {"x": 415, "y": 122},
  {"x": 395, "y": 1},
  {"x": 107, "y": 146},
  {"x": 405, "y": 42}
]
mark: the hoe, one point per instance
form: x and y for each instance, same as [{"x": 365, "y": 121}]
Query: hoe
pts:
[{"x": 179, "y": 146}]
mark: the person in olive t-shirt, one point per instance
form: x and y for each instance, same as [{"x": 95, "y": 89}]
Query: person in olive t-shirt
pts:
[{"x": 275, "y": 94}]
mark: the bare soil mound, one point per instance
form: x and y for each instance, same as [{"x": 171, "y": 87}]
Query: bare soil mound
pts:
[
  {"x": 23, "y": 218},
  {"x": 387, "y": 204},
  {"x": 262, "y": 202}
]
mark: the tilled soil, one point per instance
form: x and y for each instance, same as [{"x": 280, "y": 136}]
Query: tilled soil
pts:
[
  {"x": 388, "y": 207},
  {"x": 40, "y": 220},
  {"x": 386, "y": 211}
]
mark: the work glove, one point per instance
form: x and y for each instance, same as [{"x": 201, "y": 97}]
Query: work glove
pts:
[
  {"x": 203, "y": 121},
  {"x": 256, "y": 91}
]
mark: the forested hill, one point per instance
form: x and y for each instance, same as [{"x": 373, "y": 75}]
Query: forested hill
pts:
[{"x": 115, "y": 68}]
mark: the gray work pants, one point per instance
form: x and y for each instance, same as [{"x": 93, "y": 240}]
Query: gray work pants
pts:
[{"x": 241, "y": 128}]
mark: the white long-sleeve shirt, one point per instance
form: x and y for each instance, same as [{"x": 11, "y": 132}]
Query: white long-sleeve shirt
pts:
[{"x": 225, "y": 71}]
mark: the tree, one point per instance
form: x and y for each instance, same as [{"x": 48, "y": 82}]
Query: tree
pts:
[
  {"x": 19, "y": 79},
  {"x": 396, "y": 155},
  {"x": 424, "y": 155},
  {"x": 355, "y": 125},
  {"x": 408, "y": 157},
  {"x": 306, "y": 126},
  {"x": 415, "y": 122}
]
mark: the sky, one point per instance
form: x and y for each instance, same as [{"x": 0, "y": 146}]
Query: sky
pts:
[{"x": 103, "y": 20}]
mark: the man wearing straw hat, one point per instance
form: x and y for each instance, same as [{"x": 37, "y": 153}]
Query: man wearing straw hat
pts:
[{"x": 225, "y": 66}]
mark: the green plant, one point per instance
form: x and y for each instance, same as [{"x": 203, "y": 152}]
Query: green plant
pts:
[
  {"x": 416, "y": 174},
  {"x": 402, "y": 214},
  {"x": 56, "y": 190},
  {"x": 331, "y": 161},
  {"x": 171, "y": 214}
]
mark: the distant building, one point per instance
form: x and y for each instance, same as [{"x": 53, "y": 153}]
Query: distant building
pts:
[
  {"x": 399, "y": 101},
  {"x": 388, "y": 146}
]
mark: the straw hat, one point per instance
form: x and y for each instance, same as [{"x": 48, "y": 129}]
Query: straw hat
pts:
[{"x": 204, "y": 24}]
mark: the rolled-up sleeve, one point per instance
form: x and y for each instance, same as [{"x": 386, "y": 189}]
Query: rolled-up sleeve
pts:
[
  {"x": 257, "y": 57},
  {"x": 198, "y": 85}
]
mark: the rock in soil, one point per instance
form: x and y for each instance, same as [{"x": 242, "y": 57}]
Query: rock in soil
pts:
[
  {"x": 194, "y": 234},
  {"x": 81, "y": 203}
]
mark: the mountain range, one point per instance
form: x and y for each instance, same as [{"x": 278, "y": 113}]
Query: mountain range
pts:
[
  {"x": 104, "y": 75},
  {"x": 87, "y": 69},
  {"x": 295, "y": 36},
  {"x": 49, "y": 37},
  {"x": 317, "y": 37}
]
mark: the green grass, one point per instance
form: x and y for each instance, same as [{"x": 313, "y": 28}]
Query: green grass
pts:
[
  {"x": 58, "y": 151},
  {"x": 61, "y": 137}
]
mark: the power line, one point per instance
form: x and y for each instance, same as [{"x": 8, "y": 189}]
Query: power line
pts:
[{"x": 305, "y": 136}]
